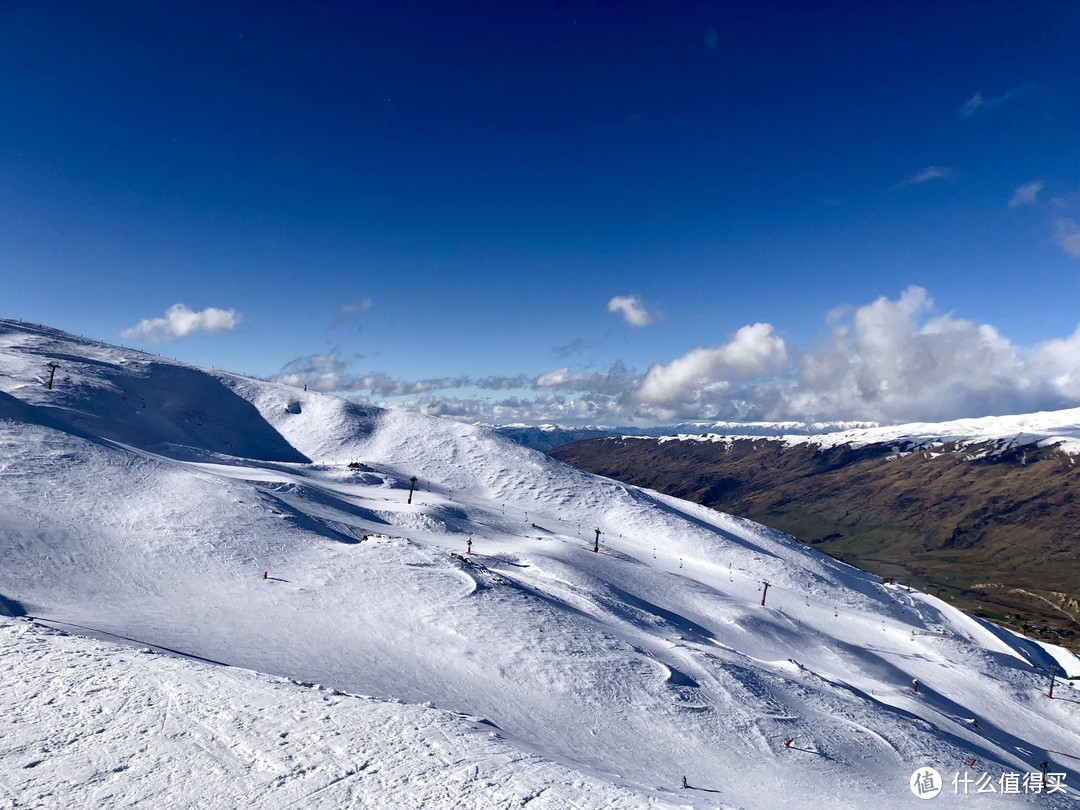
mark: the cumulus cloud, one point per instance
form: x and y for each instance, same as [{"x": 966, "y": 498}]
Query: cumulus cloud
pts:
[
  {"x": 616, "y": 381},
  {"x": 321, "y": 372},
  {"x": 350, "y": 311},
  {"x": 1067, "y": 235},
  {"x": 546, "y": 409},
  {"x": 180, "y": 321},
  {"x": 1057, "y": 364},
  {"x": 889, "y": 360},
  {"x": 332, "y": 373},
  {"x": 678, "y": 387},
  {"x": 383, "y": 385},
  {"x": 1026, "y": 194},
  {"x": 632, "y": 308},
  {"x": 925, "y": 176}
]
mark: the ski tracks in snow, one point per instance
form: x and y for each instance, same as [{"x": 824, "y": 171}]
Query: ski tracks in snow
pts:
[{"x": 200, "y": 736}]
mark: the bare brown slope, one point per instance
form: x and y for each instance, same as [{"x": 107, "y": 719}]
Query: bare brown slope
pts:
[{"x": 996, "y": 534}]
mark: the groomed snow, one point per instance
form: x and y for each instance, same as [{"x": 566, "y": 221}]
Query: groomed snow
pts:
[
  {"x": 95, "y": 725},
  {"x": 142, "y": 501}
]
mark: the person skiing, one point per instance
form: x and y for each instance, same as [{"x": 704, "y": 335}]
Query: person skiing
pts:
[
  {"x": 915, "y": 685},
  {"x": 684, "y": 781}
]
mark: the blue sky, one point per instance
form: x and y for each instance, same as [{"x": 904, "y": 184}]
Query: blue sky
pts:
[{"x": 572, "y": 212}]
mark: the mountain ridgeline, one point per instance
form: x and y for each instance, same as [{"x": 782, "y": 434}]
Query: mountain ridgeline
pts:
[
  {"x": 990, "y": 524},
  {"x": 547, "y": 437}
]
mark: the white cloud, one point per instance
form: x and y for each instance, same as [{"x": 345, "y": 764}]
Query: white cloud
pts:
[
  {"x": 925, "y": 176},
  {"x": 321, "y": 372},
  {"x": 1067, "y": 235},
  {"x": 979, "y": 103},
  {"x": 677, "y": 387},
  {"x": 546, "y": 409},
  {"x": 614, "y": 382},
  {"x": 972, "y": 105},
  {"x": 180, "y": 321},
  {"x": 889, "y": 360},
  {"x": 331, "y": 373},
  {"x": 1057, "y": 362},
  {"x": 632, "y": 308},
  {"x": 1026, "y": 194},
  {"x": 349, "y": 311}
]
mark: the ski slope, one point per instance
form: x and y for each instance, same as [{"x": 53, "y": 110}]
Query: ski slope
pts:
[{"x": 144, "y": 501}]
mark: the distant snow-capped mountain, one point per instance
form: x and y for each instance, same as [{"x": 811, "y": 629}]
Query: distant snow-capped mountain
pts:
[
  {"x": 546, "y": 437},
  {"x": 1060, "y": 429}
]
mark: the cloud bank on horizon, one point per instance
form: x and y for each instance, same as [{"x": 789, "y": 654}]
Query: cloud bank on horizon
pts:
[{"x": 891, "y": 360}]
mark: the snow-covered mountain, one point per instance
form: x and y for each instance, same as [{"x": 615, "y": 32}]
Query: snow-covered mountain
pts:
[
  {"x": 1058, "y": 429},
  {"x": 546, "y": 437},
  {"x": 276, "y": 539}
]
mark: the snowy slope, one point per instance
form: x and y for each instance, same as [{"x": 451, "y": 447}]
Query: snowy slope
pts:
[
  {"x": 142, "y": 500},
  {"x": 99, "y": 726}
]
